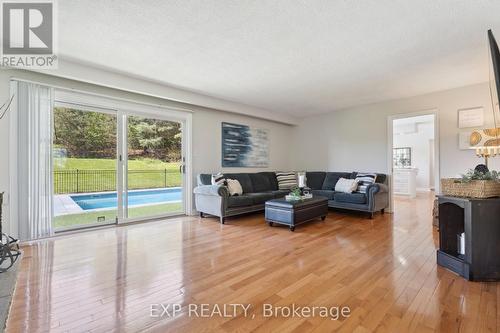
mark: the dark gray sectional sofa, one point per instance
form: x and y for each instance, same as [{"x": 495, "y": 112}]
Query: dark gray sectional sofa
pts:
[{"x": 262, "y": 186}]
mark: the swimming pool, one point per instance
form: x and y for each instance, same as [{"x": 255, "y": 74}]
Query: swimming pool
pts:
[{"x": 135, "y": 198}]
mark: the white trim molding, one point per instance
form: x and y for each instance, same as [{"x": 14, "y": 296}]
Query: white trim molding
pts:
[{"x": 437, "y": 170}]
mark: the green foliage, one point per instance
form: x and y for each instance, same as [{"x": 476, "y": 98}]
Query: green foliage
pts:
[
  {"x": 71, "y": 220},
  {"x": 471, "y": 175},
  {"x": 85, "y": 134},
  {"x": 158, "y": 138},
  {"x": 92, "y": 134},
  {"x": 295, "y": 192},
  {"x": 110, "y": 164},
  {"x": 168, "y": 174}
]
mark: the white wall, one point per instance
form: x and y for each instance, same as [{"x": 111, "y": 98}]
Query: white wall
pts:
[
  {"x": 418, "y": 139},
  {"x": 356, "y": 138},
  {"x": 207, "y": 147},
  {"x": 89, "y": 73},
  {"x": 206, "y": 128}
]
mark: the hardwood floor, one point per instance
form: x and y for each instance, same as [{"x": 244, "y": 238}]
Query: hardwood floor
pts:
[{"x": 383, "y": 269}]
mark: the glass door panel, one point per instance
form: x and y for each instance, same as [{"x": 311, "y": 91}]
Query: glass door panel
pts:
[
  {"x": 85, "y": 165},
  {"x": 153, "y": 168}
]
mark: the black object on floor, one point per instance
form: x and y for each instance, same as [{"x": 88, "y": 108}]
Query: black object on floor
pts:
[
  {"x": 9, "y": 246},
  {"x": 476, "y": 220},
  {"x": 9, "y": 252}
]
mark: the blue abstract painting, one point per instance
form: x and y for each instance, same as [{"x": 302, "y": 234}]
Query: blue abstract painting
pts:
[{"x": 244, "y": 146}]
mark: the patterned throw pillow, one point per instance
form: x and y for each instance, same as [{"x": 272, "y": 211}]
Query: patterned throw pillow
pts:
[
  {"x": 219, "y": 179},
  {"x": 286, "y": 180},
  {"x": 364, "y": 180}
]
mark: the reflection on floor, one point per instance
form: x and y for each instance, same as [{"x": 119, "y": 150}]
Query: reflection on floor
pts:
[{"x": 383, "y": 269}]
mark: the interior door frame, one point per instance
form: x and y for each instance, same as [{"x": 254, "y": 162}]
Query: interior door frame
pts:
[{"x": 390, "y": 138}]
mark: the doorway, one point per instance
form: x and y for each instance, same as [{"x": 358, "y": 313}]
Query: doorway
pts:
[
  {"x": 413, "y": 155},
  {"x": 114, "y": 163}
]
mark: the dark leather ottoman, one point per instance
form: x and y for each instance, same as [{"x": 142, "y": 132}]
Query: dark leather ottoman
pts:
[{"x": 292, "y": 213}]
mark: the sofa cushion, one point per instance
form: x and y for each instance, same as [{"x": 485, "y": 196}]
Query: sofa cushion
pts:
[
  {"x": 354, "y": 198},
  {"x": 364, "y": 180},
  {"x": 244, "y": 179},
  {"x": 272, "y": 179},
  {"x": 260, "y": 198},
  {"x": 280, "y": 193},
  {"x": 239, "y": 201},
  {"x": 315, "y": 179},
  {"x": 346, "y": 185},
  {"x": 286, "y": 180},
  {"x": 260, "y": 182},
  {"x": 381, "y": 178},
  {"x": 332, "y": 178},
  {"x": 323, "y": 193},
  {"x": 219, "y": 179},
  {"x": 234, "y": 187},
  {"x": 205, "y": 179}
]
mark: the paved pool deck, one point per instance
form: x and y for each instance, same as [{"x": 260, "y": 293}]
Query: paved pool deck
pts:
[{"x": 64, "y": 205}]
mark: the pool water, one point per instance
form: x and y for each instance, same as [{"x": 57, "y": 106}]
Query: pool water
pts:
[{"x": 135, "y": 198}]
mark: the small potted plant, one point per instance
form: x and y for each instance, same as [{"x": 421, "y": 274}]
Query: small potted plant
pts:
[{"x": 295, "y": 194}]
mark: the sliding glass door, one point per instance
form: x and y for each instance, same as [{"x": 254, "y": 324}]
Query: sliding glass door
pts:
[
  {"x": 111, "y": 166},
  {"x": 153, "y": 167},
  {"x": 85, "y": 167}
]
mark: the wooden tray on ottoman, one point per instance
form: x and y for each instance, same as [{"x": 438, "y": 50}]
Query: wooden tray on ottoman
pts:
[{"x": 292, "y": 213}]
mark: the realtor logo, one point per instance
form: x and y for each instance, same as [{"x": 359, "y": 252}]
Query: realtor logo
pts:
[{"x": 28, "y": 35}]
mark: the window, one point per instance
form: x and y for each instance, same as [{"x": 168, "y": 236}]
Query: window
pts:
[{"x": 401, "y": 157}]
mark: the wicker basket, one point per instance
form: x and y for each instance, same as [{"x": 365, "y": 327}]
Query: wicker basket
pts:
[{"x": 474, "y": 189}]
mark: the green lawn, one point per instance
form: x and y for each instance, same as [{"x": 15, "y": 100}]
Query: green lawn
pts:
[
  {"x": 82, "y": 175},
  {"x": 110, "y": 164},
  {"x": 98, "y": 175},
  {"x": 110, "y": 215}
]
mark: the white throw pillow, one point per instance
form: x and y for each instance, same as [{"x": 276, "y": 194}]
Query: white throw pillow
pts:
[
  {"x": 346, "y": 185},
  {"x": 234, "y": 187}
]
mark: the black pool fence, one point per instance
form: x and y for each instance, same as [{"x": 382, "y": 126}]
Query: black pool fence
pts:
[{"x": 85, "y": 181}]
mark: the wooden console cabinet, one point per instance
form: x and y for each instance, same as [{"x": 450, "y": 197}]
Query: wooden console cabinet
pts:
[{"x": 479, "y": 220}]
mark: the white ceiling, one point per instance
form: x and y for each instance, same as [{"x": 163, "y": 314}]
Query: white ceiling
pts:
[{"x": 296, "y": 57}]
